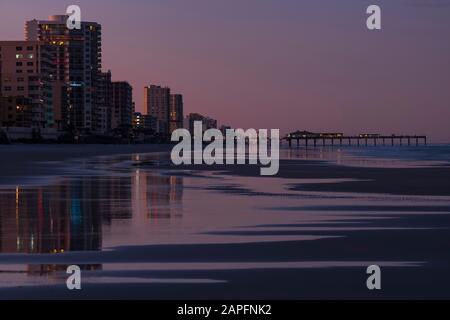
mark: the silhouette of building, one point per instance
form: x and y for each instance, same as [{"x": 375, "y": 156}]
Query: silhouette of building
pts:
[
  {"x": 102, "y": 115},
  {"x": 144, "y": 121},
  {"x": 16, "y": 112},
  {"x": 25, "y": 71},
  {"x": 122, "y": 102},
  {"x": 207, "y": 123},
  {"x": 157, "y": 104},
  {"x": 176, "y": 112},
  {"x": 77, "y": 61}
]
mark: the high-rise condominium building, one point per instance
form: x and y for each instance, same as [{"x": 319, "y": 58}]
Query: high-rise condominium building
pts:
[
  {"x": 102, "y": 114},
  {"x": 25, "y": 71},
  {"x": 16, "y": 112},
  {"x": 77, "y": 60},
  {"x": 176, "y": 112},
  {"x": 143, "y": 121},
  {"x": 157, "y": 104},
  {"x": 122, "y": 104}
]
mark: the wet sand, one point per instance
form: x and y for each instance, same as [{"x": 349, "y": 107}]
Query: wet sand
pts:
[
  {"x": 426, "y": 277},
  {"x": 21, "y": 163},
  {"x": 432, "y": 181},
  {"x": 320, "y": 243}
]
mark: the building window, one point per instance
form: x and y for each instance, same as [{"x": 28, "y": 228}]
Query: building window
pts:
[
  {"x": 19, "y": 48},
  {"x": 18, "y": 64},
  {"x": 20, "y": 79},
  {"x": 18, "y": 71},
  {"x": 29, "y": 48},
  {"x": 7, "y": 88},
  {"x": 19, "y": 56},
  {"x": 20, "y": 88},
  {"x": 30, "y": 64}
]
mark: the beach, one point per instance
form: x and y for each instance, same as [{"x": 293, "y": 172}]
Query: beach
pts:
[
  {"x": 141, "y": 228},
  {"x": 21, "y": 161}
]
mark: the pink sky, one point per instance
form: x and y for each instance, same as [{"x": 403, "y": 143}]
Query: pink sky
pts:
[{"x": 285, "y": 64}]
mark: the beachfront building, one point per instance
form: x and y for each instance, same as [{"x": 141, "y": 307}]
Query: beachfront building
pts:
[
  {"x": 77, "y": 62},
  {"x": 102, "y": 114},
  {"x": 176, "y": 112},
  {"x": 122, "y": 105},
  {"x": 144, "y": 121},
  {"x": 16, "y": 112},
  {"x": 157, "y": 104},
  {"x": 207, "y": 123},
  {"x": 26, "y": 71}
]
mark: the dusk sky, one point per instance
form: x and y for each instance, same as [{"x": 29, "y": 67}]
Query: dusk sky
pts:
[{"x": 288, "y": 64}]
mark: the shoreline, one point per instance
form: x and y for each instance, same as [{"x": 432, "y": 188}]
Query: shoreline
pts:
[
  {"x": 312, "y": 239},
  {"x": 34, "y": 164},
  {"x": 24, "y": 163},
  {"x": 420, "y": 181}
]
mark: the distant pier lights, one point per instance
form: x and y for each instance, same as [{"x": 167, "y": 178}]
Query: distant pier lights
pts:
[{"x": 307, "y": 139}]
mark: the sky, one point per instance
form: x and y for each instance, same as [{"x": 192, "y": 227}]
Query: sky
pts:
[{"x": 288, "y": 64}]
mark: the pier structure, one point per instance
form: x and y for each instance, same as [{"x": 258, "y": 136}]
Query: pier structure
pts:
[{"x": 308, "y": 139}]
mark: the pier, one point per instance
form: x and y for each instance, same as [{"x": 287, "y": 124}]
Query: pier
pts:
[{"x": 308, "y": 139}]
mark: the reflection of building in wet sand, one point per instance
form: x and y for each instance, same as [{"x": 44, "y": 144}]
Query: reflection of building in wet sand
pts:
[
  {"x": 45, "y": 269},
  {"x": 157, "y": 196},
  {"x": 49, "y": 220},
  {"x": 69, "y": 216},
  {"x": 113, "y": 196}
]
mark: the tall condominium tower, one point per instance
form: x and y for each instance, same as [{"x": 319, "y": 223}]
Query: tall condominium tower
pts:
[
  {"x": 157, "y": 104},
  {"x": 77, "y": 60},
  {"x": 102, "y": 114},
  {"x": 176, "y": 112},
  {"x": 25, "y": 71},
  {"x": 122, "y": 104}
]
